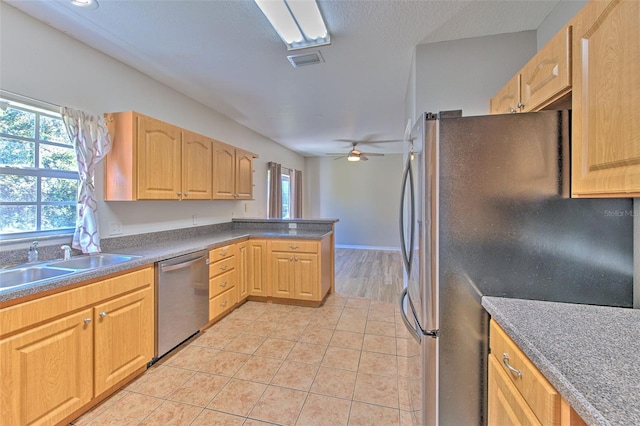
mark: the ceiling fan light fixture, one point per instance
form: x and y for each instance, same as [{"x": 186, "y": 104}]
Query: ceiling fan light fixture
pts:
[
  {"x": 85, "y": 4},
  {"x": 353, "y": 156},
  {"x": 298, "y": 22}
]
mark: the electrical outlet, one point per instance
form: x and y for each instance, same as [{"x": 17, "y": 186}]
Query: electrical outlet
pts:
[
  {"x": 293, "y": 226},
  {"x": 115, "y": 228},
  {"x": 195, "y": 219},
  {"x": 246, "y": 207}
]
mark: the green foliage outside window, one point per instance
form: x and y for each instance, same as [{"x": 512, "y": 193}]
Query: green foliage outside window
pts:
[{"x": 38, "y": 173}]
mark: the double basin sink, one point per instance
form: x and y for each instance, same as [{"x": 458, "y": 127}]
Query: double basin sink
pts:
[{"x": 41, "y": 272}]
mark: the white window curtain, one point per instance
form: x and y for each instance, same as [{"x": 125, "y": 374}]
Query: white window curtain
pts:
[{"x": 91, "y": 141}]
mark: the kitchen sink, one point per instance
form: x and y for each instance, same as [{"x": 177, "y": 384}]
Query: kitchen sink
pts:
[
  {"x": 93, "y": 261},
  {"x": 28, "y": 275}
]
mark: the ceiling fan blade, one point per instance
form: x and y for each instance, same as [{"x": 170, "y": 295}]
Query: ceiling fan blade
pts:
[
  {"x": 363, "y": 157},
  {"x": 340, "y": 158},
  {"x": 372, "y": 154}
]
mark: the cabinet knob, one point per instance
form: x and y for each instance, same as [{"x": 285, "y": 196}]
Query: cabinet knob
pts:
[
  {"x": 224, "y": 267},
  {"x": 512, "y": 111},
  {"x": 505, "y": 361},
  {"x": 87, "y": 321},
  {"x": 295, "y": 258},
  {"x": 223, "y": 284},
  {"x": 223, "y": 253},
  {"x": 520, "y": 105},
  {"x": 103, "y": 314},
  {"x": 186, "y": 194},
  {"x": 291, "y": 259},
  {"x": 292, "y": 247},
  {"x": 179, "y": 194},
  {"x": 223, "y": 304}
]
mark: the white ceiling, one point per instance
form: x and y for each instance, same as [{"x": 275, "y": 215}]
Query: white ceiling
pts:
[{"x": 225, "y": 55}]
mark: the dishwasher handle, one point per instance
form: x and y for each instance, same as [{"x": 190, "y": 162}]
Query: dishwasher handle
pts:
[{"x": 182, "y": 265}]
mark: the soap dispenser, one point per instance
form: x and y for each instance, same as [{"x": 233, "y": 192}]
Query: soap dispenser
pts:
[{"x": 33, "y": 252}]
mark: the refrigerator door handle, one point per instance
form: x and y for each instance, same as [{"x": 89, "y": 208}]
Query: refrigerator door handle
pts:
[
  {"x": 407, "y": 256},
  {"x": 414, "y": 332}
]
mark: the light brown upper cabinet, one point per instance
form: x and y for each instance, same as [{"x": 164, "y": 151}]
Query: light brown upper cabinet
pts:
[
  {"x": 196, "y": 166},
  {"x": 507, "y": 100},
  {"x": 545, "y": 79},
  {"x": 154, "y": 160},
  {"x": 232, "y": 173},
  {"x": 606, "y": 100}
]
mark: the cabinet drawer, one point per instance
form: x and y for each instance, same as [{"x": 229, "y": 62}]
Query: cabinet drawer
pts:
[
  {"x": 506, "y": 405},
  {"x": 222, "y": 266},
  {"x": 221, "y": 283},
  {"x": 223, "y": 252},
  {"x": 540, "y": 395},
  {"x": 222, "y": 303},
  {"x": 295, "y": 246}
]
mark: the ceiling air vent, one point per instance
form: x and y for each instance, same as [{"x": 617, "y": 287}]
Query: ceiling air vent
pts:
[{"x": 305, "y": 59}]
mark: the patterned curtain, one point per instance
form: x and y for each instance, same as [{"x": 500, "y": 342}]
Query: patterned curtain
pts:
[
  {"x": 275, "y": 190},
  {"x": 90, "y": 138}
]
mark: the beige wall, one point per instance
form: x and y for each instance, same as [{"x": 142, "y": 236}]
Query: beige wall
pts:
[
  {"x": 41, "y": 62},
  {"x": 364, "y": 195}
]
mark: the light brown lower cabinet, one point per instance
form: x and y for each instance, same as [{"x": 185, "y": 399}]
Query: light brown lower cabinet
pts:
[
  {"x": 60, "y": 352},
  {"x": 518, "y": 393}
]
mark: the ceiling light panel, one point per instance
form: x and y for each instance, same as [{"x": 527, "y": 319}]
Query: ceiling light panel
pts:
[{"x": 298, "y": 22}]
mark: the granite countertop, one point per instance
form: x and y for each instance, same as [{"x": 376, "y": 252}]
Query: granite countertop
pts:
[
  {"x": 158, "y": 251},
  {"x": 590, "y": 354}
]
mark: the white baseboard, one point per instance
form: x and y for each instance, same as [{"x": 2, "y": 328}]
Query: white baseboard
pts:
[{"x": 382, "y": 248}]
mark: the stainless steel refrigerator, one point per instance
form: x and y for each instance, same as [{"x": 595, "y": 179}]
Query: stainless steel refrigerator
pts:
[{"x": 485, "y": 211}]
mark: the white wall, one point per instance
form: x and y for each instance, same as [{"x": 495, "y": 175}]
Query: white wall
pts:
[
  {"x": 43, "y": 63},
  {"x": 465, "y": 74},
  {"x": 558, "y": 18},
  {"x": 364, "y": 195}
]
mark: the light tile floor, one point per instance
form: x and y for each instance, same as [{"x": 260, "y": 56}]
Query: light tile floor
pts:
[{"x": 276, "y": 364}]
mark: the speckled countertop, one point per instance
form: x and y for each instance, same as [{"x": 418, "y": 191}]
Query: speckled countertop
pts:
[
  {"x": 160, "y": 250},
  {"x": 590, "y": 354}
]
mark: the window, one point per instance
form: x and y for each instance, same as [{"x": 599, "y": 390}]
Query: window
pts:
[
  {"x": 286, "y": 194},
  {"x": 38, "y": 173}
]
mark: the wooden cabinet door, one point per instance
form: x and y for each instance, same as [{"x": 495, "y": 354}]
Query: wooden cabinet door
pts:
[
  {"x": 282, "y": 275},
  {"x": 507, "y": 100},
  {"x": 159, "y": 160},
  {"x": 244, "y": 175},
  {"x": 506, "y": 406},
  {"x": 606, "y": 100},
  {"x": 257, "y": 269},
  {"x": 223, "y": 172},
  {"x": 47, "y": 371},
  {"x": 243, "y": 271},
  {"x": 306, "y": 277},
  {"x": 547, "y": 76},
  {"x": 197, "y": 158},
  {"x": 124, "y": 337}
]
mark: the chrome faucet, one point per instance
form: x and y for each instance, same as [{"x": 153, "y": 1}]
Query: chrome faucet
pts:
[
  {"x": 67, "y": 252},
  {"x": 33, "y": 252}
]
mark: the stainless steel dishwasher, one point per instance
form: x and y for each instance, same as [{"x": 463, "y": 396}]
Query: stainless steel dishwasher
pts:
[{"x": 182, "y": 299}]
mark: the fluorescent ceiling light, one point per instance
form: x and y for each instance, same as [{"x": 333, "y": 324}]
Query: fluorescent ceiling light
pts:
[{"x": 297, "y": 22}]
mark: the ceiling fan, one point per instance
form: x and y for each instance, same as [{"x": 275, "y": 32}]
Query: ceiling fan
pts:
[{"x": 355, "y": 154}]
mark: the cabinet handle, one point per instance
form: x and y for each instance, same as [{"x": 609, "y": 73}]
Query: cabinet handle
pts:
[
  {"x": 179, "y": 194},
  {"x": 223, "y": 304},
  {"x": 87, "y": 321},
  {"x": 291, "y": 259},
  {"x": 505, "y": 361},
  {"x": 223, "y": 284},
  {"x": 224, "y": 267},
  {"x": 520, "y": 105},
  {"x": 295, "y": 258},
  {"x": 293, "y": 247},
  {"x": 512, "y": 111},
  {"x": 223, "y": 253},
  {"x": 186, "y": 194},
  {"x": 103, "y": 314}
]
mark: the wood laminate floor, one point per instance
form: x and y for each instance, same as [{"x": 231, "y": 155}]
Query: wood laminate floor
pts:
[{"x": 373, "y": 274}]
